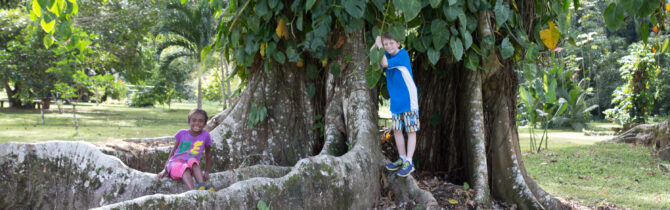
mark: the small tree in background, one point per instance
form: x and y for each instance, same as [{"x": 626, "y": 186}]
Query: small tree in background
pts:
[{"x": 68, "y": 92}]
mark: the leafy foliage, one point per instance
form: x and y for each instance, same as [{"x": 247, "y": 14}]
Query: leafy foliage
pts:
[{"x": 635, "y": 99}]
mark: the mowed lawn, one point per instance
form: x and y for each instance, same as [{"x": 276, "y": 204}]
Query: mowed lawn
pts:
[
  {"x": 596, "y": 173},
  {"x": 96, "y": 123}
]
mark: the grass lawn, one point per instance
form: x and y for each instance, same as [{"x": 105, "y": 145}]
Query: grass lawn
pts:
[
  {"x": 96, "y": 123},
  {"x": 596, "y": 173}
]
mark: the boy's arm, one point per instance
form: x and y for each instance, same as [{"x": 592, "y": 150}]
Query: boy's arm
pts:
[{"x": 384, "y": 62}]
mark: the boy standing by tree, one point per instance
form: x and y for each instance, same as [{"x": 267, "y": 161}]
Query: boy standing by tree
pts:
[{"x": 404, "y": 101}]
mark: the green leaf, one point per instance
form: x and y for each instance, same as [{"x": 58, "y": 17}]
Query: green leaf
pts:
[
  {"x": 467, "y": 39},
  {"x": 262, "y": 206},
  {"x": 273, "y": 3},
  {"x": 440, "y": 33},
  {"x": 205, "y": 51},
  {"x": 473, "y": 5},
  {"x": 435, "y": 3},
  {"x": 48, "y": 27},
  {"x": 262, "y": 9},
  {"x": 397, "y": 31},
  {"x": 184, "y": 1},
  {"x": 452, "y": 2},
  {"x": 335, "y": 69},
  {"x": 309, "y": 4},
  {"x": 456, "y": 48},
  {"x": 644, "y": 31},
  {"x": 451, "y": 12},
  {"x": 299, "y": 22},
  {"x": 410, "y": 9},
  {"x": 312, "y": 71},
  {"x": 613, "y": 16},
  {"x": 647, "y": 8},
  {"x": 48, "y": 41},
  {"x": 433, "y": 55},
  {"x": 292, "y": 54},
  {"x": 356, "y": 8},
  {"x": 376, "y": 55},
  {"x": 666, "y": 43},
  {"x": 372, "y": 75},
  {"x": 502, "y": 13},
  {"x": 463, "y": 20},
  {"x": 506, "y": 48},
  {"x": 311, "y": 90},
  {"x": 279, "y": 57},
  {"x": 466, "y": 186},
  {"x": 561, "y": 107},
  {"x": 576, "y": 4},
  {"x": 631, "y": 6},
  {"x": 472, "y": 61}
]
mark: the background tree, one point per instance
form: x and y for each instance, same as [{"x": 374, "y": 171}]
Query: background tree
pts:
[{"x": 190, "y": 27}]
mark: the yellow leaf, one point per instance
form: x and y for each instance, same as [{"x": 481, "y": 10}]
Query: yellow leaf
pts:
[
  {"x": 452, "y": 201},
  {"x": 300, "y": 63},
  {"x": 550, "y": 36},
  {"x": 281, "y": 29},
  {"x": 37, "y": 9},
  {"x": 667, "y": 7},
  {"x": 324, "y": 63},
  {"x": 48, "y": 27},
  {"x": 263, "y": 47}
]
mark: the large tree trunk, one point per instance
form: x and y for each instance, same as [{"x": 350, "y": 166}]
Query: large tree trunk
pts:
[
  {"x": 14, "y": 102},
  {"x": 655, "y": 135}
]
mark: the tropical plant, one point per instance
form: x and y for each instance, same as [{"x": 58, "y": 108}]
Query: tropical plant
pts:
[
  {"x": 189, "y": 28},
  {"x": 634, "y": 100}
]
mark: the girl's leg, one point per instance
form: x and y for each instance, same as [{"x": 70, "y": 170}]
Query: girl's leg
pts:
[
  {"x": 400, "y": 142},
  {"x": 411, "y": 144},
  {"x": 188, "y": 179},
  {"x": 197, "y": 173}
]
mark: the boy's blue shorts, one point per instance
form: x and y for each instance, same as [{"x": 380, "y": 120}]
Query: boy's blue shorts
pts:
[{"x": 409, "y": 120}]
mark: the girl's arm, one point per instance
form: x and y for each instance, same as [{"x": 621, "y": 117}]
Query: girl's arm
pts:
[
  {"x": 208, "y": 157},
  {"x": 161, "y": 174}
]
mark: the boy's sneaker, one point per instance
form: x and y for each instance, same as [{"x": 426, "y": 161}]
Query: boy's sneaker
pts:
[
  {"x": 394, "y": 165},
  {"x": 407, "y": 168}
]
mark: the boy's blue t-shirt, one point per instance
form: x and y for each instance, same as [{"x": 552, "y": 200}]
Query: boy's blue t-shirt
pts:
[{"x": 400, "y": 83}]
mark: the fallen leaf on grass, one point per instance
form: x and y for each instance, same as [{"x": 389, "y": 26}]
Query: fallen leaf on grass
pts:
[
  {"x": 452, "y": 201},
  {"x": 651, "y": 173},
  {"x": 606, "y": 192},
  {"x": 543, "y": 163}
]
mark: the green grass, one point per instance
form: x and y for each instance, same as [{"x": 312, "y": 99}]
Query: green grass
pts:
[
  {"x": 594, "y": 173},
  {"x": 96, "y": 123}
]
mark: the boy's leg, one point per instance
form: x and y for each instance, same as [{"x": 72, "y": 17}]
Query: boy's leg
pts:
[
  {"x": 412, "y": 125},
  {"x": 411, "y": 144},
  {"x": 187, "y": 178},
  {"x": 399, "y": 142}
]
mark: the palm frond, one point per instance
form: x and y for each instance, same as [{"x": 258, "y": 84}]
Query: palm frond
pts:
[{"x": 167, "y": 60}]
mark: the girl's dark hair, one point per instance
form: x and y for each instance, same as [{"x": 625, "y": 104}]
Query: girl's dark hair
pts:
[{"x": 197, "y": 111}]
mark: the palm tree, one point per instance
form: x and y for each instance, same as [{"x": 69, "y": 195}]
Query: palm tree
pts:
[{"x": 189, "y": 28}]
